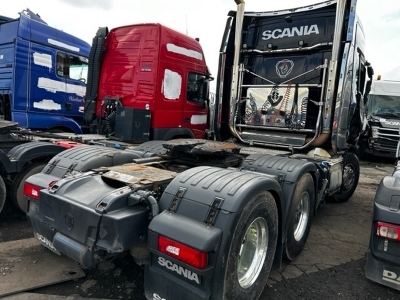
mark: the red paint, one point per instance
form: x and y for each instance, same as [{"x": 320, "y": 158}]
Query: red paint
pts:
[{"x": 68, "y": 144}]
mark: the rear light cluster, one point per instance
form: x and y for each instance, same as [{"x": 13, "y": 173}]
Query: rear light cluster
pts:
[
  {"x": 186, "y": 254},
  {"x": 32, "y": 191},
  {"x": 388, "y": 231}
]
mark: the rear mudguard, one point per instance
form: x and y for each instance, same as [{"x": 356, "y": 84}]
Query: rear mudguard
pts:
[
  {"x": 201, "y": 207},
  {"x": 288, "y": 171},
  {"x": 85, "y": 158},
  {"x": 81, "y": 159},
  {"x": 20, "y": 155}
]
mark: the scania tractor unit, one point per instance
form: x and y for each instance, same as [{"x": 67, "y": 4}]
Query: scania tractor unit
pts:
[
  {"x": 209, "y": 217},
  {"x": 383, "y": 119},
  {"x": 42, "y": 74}
]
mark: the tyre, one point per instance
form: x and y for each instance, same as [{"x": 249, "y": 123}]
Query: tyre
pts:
[
  {"x": 17, "y": 186},
  {"x": 252, "y": 249},
  {"x": 351, "y": 175},
  {"x": 2, "y": 193},
  {"x": 300, "y": 217}
]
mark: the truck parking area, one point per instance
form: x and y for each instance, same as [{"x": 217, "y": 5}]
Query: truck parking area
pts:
[
  {"x": 220, "y": 204},
  {"x": 338, "y": 237}
]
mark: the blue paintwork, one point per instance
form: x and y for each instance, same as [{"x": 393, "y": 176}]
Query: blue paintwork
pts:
[{"x": 20, "y": 39}]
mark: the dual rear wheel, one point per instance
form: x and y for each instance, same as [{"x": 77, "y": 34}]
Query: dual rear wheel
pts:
[{"x": 255, "y": 238}]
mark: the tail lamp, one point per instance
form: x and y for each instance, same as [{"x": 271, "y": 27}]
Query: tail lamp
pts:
[
  {"x": 388, "y": 231},
  {"x": 183, "y": 253},
  {"x": 32, "y": 191}
]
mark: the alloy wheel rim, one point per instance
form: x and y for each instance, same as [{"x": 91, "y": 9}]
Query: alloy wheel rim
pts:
[{"x": 252, "y": 252}]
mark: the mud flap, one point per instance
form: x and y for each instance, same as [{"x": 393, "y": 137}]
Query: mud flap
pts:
[
  {"x": 168, "y": 278},
  {"x": 382, "y": 272}
]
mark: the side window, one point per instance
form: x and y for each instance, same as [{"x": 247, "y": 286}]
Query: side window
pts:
[
  {"x": 70, "y": 66},
  {"x": 195, "y": 91},
  {"x": 62, "y": 65},
  {"x": 361, "y": 76},
  {"x": 78, "y": 68}
]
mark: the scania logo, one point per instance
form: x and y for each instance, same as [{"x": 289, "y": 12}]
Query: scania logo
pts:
[
  {"x": 290, "y": 32},
  {"x": 69, "y": 221},
  {"x": 178, "y": 269},
  {"x": 394, "y": 123},
  {"x": 284, "y": 67}
]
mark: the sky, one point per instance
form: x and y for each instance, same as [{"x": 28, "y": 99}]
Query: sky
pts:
[{"x": 206, "y": 20}]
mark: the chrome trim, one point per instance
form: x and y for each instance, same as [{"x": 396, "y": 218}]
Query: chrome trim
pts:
[
  {"x": 274, "y": 128},
  {"x": 287, "y": 50},
  {"x": 281, "y": 85},
  {"x": 341, "y": 83},
  {"x": 317, "y": 126},
  {"x": 339, "y": 23},
  {"x": 235, "y": 67}
]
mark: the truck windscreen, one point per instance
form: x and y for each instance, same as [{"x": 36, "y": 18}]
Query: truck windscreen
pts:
[{"x": 383, "y": 106}]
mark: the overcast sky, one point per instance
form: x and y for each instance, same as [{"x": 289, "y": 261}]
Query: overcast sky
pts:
[{"x": 206, "y": 20}]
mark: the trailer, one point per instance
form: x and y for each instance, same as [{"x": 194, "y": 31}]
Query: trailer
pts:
[{"x": 209, "y": 218}]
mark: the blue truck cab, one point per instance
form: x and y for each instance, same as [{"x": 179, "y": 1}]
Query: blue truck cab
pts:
[{"x": 42, "y": 74}]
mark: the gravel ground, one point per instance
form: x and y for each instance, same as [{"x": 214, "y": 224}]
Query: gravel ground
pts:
[{"x": 346, "y": 282}]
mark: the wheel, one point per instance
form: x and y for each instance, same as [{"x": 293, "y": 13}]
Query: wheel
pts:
[
  {"x": 17, "y": 186},
  {"x": 252, "y": 249},
  {"x": 300, "y": 217},
  {"x": 351, "y": 174},
  {"x": 2, "y": 193}
]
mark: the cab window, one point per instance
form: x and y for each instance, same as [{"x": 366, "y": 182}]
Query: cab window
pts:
[
  {"x": 195, "y": 88},
  {"x": 73, "y": 67}
]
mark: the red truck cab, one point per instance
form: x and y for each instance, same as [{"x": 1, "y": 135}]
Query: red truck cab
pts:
[{"x": 147, "y": 82}]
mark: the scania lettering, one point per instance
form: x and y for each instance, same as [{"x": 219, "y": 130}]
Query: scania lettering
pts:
[
  {"x": 210, "y": 217},
  {"x": 290, "y": 32},
  {"x": 178, "y": 269}
]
